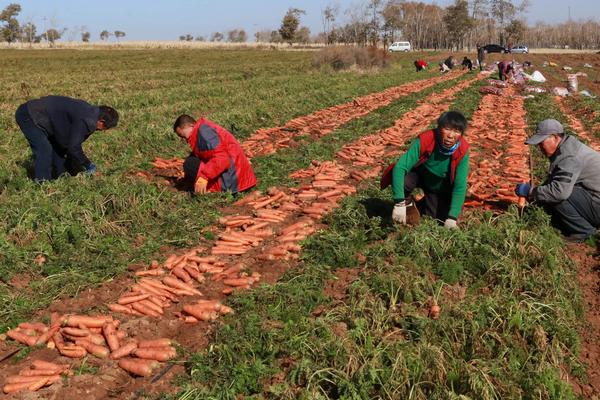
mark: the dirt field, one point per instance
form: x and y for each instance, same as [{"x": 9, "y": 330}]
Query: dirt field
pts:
[{"x": 329, "y": 298}]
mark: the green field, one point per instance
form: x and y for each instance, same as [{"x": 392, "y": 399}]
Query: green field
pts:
[{"x": 511, "y": 332}]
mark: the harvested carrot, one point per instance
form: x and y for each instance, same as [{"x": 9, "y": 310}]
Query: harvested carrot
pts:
[
  {"x": 124, "y": 350},
  {"x": 38, "y": 372},
  {"x": 90, "y": 322},
  {"x": 176, "y": 283},
  {"x": 15, "y": 387},
  {"x": 151, "y": 272},
  {"x": 155, "y": 353},
  {"x": 119, "y": 308},
  {"x": 139, "y": 367},
  {"x": 200, "y": 313},
  {"x": 92, "y": 348},
  {"x": 44, "y": 337},
  {"x": 21, "y": 337},
  {"x": 124, "y": 300},
  {"x": 30, "y": 379},
  {"x": 181, "y": 273},
  {"x": 72, "y": 351},
  {"x": 238, "y": 282},
  {"x": 162, "y": 342},
  {"x": 41, "y": 364},
  {"x": 145, "y": 310},
  {"x": 75, "y": 332},
  {"x": 110, "y": 334},
  {"x": 34, "y": 387}
]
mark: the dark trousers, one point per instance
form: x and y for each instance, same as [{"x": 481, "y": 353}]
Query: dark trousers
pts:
[
  {"x": 46, "y": 154},
  {"x": 191, "y": 165},
  {"x": 435, "y": 205},
  {"x": 578, "y": 216}
]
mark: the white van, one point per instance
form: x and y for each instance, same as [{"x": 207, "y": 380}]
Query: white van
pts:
[{"x": 400, "y": 46}]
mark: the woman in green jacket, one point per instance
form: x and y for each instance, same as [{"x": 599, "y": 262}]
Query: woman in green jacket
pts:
[{"x": 437, "y": 162}]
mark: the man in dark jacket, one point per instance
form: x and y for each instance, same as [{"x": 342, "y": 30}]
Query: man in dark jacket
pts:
[
  {"x": 467, "y": 63},
  {"x": 480, "y": 56},
  {"x": 56, "y": 127},
  {"x": 571, "y": 192},
  {"x": 217, "y": 162}
]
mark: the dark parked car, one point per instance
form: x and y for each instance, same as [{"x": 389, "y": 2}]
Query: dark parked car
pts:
[{"x": 494, "y": 48}]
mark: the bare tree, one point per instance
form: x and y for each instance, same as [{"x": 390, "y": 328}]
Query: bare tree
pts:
[
  {"x": 217, "y": 37},
  {"x": 118, "y": 35},
  {"x": 329, "y": 15},
  {"x": 104, "y": 35}
]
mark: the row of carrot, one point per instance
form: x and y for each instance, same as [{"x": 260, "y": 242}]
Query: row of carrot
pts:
[{"x": 323, "y": 122}]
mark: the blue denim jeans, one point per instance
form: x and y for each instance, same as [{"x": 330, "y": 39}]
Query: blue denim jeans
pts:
[{"x": 46, "y": 155}]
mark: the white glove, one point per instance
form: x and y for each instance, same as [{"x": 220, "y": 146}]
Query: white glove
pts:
[
  {"x": 450, "y": 224},
  {"x": 399, "y": 213}
]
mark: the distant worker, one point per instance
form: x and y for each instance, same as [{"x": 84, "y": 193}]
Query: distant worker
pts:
[
  {"x": 571, "y": 191},
  {"x": 505, "y": 69},
  {"x": 420, "y": 65},
  {"x": 480, "y": 56},
  {"x": 437, "y": 162},
  {"x": 450, "y": 62},
  {"x": 467, "y": 63},
  {"x": 56, "y": 127},
  {"x": 217, "y": 162}
]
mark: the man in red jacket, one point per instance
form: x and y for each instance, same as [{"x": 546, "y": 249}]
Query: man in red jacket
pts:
[{"x": 217, "y": 162}]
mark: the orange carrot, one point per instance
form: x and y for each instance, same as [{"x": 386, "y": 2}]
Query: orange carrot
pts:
[
  {"x": 176, "y": 283},
  {"x": 72, "y": 351},
  {"x": 182, "y": 274},
  {"x": 15, "y": 387},
  {"x": 150, "y": 272},
  {"x": 139, "y": 367},
  {"x": 31, "y": 379},
  {"x": 44, "y": 337},
  {"x": 41, "y": 364},
  {"x": 75, "y": 332},
  {"x": 124, "y": 350},
  {"x": 92, "y": 348},
  {"x": 145, "y": 310},
  {"x": 34, "y": 387},
  {"x": 110, "y": 334},
  {"x": 119, "y": 308},
  {"x": 36, "y": 326},
  {"x": 194, "y": 273},
  {"x": 38, "y": 372},
  {"x": 162, "y": 342},
  {"x": 238, "y": 282},
  {"x": 21, "y": 337},
  {"x": 124, "y": 300},
  {"x": 200, "y": 313},
  {"x": 156, "y": 353},
  {"x": 152, "y": 306},
  {"x": 90, "y": 322}
]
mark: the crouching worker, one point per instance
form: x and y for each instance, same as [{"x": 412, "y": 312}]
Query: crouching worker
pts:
[
  {"x": 571, "y": 191},
  {"x": 217, "y": 162},
  {"x": 505, "y": 70},
  {"x": 420, "y": 65},
  {"x": 56, "y": 127},
  {"x": 437, "y": 162}
]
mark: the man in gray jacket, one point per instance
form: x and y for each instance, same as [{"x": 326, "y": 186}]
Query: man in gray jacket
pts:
[{"x": 571, "y": 192}]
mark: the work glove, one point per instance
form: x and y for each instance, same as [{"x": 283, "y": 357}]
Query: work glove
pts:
[
  {"x": 399, "y": 213},
  {"x": 450, "y": 224},
  {"x": 200, "y": 186},
  {"x": 523, "y": 189},
  {"x": 91, "y": 169}
]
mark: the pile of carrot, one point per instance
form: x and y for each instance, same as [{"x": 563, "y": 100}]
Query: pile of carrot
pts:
[
  {"x": 38, "y": 375},
  {"x": 576, "y": 124},
  {"x": 498, "y": 151},
  {"x": 163, "y": 163}
]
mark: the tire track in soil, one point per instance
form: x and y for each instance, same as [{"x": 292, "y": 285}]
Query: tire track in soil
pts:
[
  {"x": 323, "y": 186},
  {"x": 316, "y": 125}
]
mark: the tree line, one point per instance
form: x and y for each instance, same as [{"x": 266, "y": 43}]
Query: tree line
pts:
[
  {"x": 463, "y": 24},
  {"x": 13, "y": 31}
]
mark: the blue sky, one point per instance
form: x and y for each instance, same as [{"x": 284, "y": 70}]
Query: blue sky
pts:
[{"x": 166, "y": 20}]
